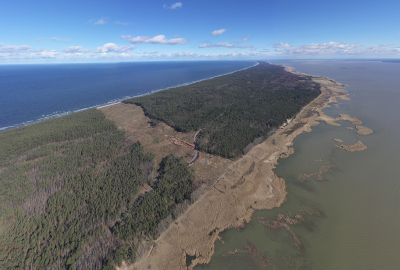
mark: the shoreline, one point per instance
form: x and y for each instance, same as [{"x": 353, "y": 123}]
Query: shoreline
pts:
[
  {"x": 112, "y": 102},
  {"x": 225, "y": 206}
]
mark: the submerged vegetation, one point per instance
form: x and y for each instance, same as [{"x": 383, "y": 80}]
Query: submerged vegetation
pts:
[
  {"x": 70, "y": 197},
  {"x": 232, "y": 110}
]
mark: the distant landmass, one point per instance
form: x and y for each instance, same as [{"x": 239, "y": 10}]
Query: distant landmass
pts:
[{"x": 392, "y": 60}]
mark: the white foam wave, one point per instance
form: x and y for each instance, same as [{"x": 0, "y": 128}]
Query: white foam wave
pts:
[{"x": 112, "y": 102}]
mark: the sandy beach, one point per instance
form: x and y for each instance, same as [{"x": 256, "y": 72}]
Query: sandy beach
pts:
[{"x": 246, "y": 185}]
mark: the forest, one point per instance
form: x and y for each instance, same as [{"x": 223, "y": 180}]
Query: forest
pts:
[
  {"x": 76, "y": 193},
  {"x": 232, "y": 110},
  {"x": 70, "y": 194}
]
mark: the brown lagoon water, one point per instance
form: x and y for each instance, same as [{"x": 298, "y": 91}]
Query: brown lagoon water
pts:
[{"x": 351, "y": 218}]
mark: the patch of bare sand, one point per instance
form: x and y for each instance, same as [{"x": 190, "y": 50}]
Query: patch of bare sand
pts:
[
  {"x": 246, "y": 185},
  {"x": 358, "y": 146},
  {"x": 337, "y": 140}
]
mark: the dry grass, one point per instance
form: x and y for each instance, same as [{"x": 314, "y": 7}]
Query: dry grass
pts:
[{"x": 158, "y": 141}]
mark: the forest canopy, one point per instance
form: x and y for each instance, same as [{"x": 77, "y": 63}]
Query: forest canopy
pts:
[
  {"x": 70, "y": 194},
  {"x": 232, "y": 110}
]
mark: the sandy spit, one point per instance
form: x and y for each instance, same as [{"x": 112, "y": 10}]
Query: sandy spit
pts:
[{"x": 248, "y": 184}]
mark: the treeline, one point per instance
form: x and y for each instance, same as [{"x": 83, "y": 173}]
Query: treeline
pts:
[
  {"x": 233, "y": 110},
  {"x": 69, "y": 198},
  {"x": 15, "y": 142},
  {"x": 173, "y": 187}
]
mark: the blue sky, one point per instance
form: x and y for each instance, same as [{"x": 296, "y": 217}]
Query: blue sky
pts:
[{"x": 113, "y": 31}]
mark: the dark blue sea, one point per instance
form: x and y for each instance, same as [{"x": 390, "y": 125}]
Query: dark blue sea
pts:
[{"x": 32, "y": 93}]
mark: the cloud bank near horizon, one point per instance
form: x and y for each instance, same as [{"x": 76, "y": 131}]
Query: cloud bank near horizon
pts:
[
  {"x": 111, "y": 51},
  {"x": 287, "y": 29}
]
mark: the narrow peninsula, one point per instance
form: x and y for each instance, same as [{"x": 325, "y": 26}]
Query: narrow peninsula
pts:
[{"x": 112, "y": 188}]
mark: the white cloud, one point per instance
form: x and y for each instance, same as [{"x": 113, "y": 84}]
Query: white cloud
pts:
[
  {"x": 60, "y": 39},
  {"x": 247, "y": 47},
  {"x": 282, "y": 45},
  {"x": 1, "y": 44},
  {"x": 230, "y": 54},
  {"x": 122, "y": 23},
  {"x": 73, "y": 55},
  {"x": 178, "y": 54},
  {"x": 76, "y": 49},
  {"x": 236, "y": 54},
  {"x": 216, "y": 56},
  {"x": 112, "y": 47},
  {"x": 14, "y": 48},
  {"x": 173, "y": 6},
  {"x": 218, "y": 32},
  {"x": 244, "y": 40},
  {"x": 98, "y": 22},
  {"x": 328, "y": 48},
  {"x": 160, "y": 39},
  {"x": 227, "y": 45},
  {"x": 340, "y": 49},
  {"x": 112, "y": 56},
  {"x": 222, "y": 44},
  {"x": 38, "y": 39},
  {"x": 126, "y": 36},
  {"x": 9, "y": 52},
  {"x": 380, "y": 49},
  {"x": 191, "y": 55},
  {"x": 48, "y": 54},
  {"x": 112, "y": 51},
  {"x": 9, "y": 56}
]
